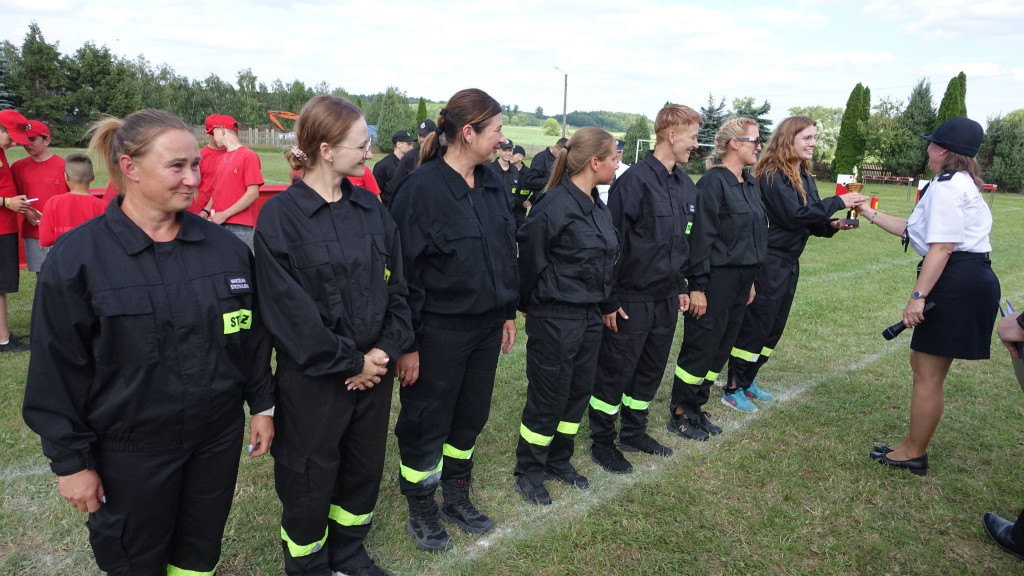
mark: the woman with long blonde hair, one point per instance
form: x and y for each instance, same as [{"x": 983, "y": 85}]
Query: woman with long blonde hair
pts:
[{"x": 795, "y": 212}]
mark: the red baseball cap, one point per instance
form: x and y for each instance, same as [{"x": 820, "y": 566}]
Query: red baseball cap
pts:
[
  {"x": 16, "y": 125},
  {"x": 37, "y": 127},
  {"x": 220, "y": 121}
]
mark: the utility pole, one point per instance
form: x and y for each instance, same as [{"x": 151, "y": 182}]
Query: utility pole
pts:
[{"x": 565, "y": 99}]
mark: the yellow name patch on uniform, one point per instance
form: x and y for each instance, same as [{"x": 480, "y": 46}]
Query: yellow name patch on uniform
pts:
[
  {"x": 387, "y": 275},
  {"x": 689, "y": 226},
  {"x": 237, "y": 320}
]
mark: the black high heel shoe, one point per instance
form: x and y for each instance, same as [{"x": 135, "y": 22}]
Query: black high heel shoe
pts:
[{"x": 917, "y": 466}]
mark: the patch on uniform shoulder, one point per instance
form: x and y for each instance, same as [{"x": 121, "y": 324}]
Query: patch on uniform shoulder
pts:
[
  {"x": 238, "y": 284},
  {"x": 691, "y": 208},
  {"x": 946, "y": 176}
]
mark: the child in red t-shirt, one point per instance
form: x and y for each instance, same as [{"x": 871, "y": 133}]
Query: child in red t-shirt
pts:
[
  {"x": 39, "y": 177},
  {"x": 210, "y": 156},
  {"x": 66, "y": 211},
  {"x": 236, "y": 184},
  {"x": 12, "y": 131}
]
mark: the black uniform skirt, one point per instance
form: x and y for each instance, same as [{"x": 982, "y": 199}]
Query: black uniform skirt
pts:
[{"x": 966, "y": 300}]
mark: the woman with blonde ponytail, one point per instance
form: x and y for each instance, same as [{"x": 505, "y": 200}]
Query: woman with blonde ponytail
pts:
[
  {"x": 796, "y": 212},
  {"x": 727, "y": 246},
  {"x": 146, "y": 340},
  {"x": 567, "y": 252}
]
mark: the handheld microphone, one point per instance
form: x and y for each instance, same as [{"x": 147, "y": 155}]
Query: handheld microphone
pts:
[{"x": 894, "y": 330}]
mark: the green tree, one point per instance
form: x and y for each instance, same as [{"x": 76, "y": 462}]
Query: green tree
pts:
[
  {"x": 39, "y": 80},
  {"x": 827, "y": 129},
  {"x": 852, "y": 140},
  {"x": 552, "y": 127},
  {"x": 714, "y": 116},
  {"x": 889, "y": 141},
  {"x": 421, "y": 111},
  {"x": 6, "y": 96},
  {"x": 539, "y": 112},
  {"x": 394, "y": 115},
  {"x": 919, "y": 120},
  {"x": 639, "y": 130},
  {"x": 359, "y": 102},
  {"x": 954, "y": 100},
  {"x": 745, "y": 107},
  {"x": 1002, "y": 152}
]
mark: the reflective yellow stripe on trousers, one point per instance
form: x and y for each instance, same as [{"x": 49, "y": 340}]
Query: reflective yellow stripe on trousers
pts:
[
  {"x": 175, "y": 571},
  {"x": 299, "y": 550}
]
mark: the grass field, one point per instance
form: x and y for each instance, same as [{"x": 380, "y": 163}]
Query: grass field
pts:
[{"x": 788, "y": 490}]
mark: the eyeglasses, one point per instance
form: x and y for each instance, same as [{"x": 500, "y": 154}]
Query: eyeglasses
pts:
[
  {"x": 365, "y": 149},
  {"x": 749, "y": 139},
  {"x": 809, "y": 139}
]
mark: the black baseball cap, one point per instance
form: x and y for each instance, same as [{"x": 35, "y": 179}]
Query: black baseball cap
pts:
[
  {"x": 517, "y": 149},
  {"x": 426, "y": 127},
  {"x": 402, "y": 136},
  {"x": 958, "y": 134},
  {"x": 619, "y": 145},
  {"x": 506, "y": 145}
]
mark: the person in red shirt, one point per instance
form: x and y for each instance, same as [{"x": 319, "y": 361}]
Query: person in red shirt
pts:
[
  {"x": 66, "y": 211},
  {"x": 12, "y": 131},
  {"x": 39, "y": 177},
  {"x": 209, "y": 154},
  {"x": 236, "y": 183}
]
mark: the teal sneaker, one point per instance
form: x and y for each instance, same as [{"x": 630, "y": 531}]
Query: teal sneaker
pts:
[
  {"x": 737, "y": 401},
  {"x": 755, "y": 393}
]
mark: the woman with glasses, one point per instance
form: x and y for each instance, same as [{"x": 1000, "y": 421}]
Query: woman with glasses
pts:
[
  {"x": 460, "y": 254},
  {"x": 727, "y": 246},
  {"x": 796, "y": 212},
  {"x": 333, "y": 292}
]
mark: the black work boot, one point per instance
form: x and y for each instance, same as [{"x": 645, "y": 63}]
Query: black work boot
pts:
[
  {"x": 424, "y": 526},
  {"x": 567, "y": 474},
  {"x": 609, "y": 457},
  {"x": 644, "y": 443},
  {"x": 458, "y": 509},
  {"x": 532, "y": 491}
]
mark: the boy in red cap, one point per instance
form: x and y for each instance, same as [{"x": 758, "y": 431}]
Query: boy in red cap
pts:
[
  {"x": 12, "y": 131},
  {"x": 236, "y": 184},
  {"x": 66, "y": 211},
  {"x": 39, "y": 177},
  {"x": 209, "y": 155}
]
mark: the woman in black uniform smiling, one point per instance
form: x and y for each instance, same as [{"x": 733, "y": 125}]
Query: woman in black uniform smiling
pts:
[{"x": 460, "y": 259}]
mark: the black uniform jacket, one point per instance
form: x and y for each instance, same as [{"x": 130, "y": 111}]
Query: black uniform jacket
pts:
[
  {"x": 730, "y": 228},
  {"x": 790, "y": 223},
  {"x": 540, "y": 170},
  {"x": 567, "y": 252},
  {"x": 652, "y": 209},
  {"x": 509, "y": 179},
  {"x": 458, "y": 243},
  {"x": 331, "y": 278},
  {"x": 405, "y": 166},
  {"x": 141, "y": 346},
  {"x": 384, "y": 174}
]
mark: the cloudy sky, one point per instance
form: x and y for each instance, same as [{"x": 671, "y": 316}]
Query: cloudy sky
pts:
[{"x": 620, "y": 55}]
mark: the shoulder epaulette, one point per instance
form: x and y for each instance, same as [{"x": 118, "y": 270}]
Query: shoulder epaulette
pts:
[{"x": 946, "y": 176}]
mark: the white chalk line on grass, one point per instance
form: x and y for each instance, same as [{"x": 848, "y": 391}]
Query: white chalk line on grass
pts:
[{"x": 607, "y": 487}]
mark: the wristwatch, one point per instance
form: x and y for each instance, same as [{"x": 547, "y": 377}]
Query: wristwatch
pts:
[{"x": 917, "y": 295}]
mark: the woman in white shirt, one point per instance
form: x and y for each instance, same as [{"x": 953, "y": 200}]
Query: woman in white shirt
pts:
[{"x": 949, "y": 228}]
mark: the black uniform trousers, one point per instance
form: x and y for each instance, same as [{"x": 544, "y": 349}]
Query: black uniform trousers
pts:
[
  {"x": 328, "y": 462},
  {"x": 179, "y": 501},
  {"x": 765, "y": 318},
  {"x": 446, "y": 409},
  {"x": 561, "y": 358},
  {"x": 708, "y": 341},
  {"x": 630, "y": 367}
]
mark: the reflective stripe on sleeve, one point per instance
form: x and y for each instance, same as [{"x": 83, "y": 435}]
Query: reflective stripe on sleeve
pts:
[
  {"x": 346, "y": 518},
  {"x": 711, "y": 376},
  {"x": 300, "y": 550},
  {"x": 534, "y": 438},
  {"x": 602, "y": 406},
  {"x": 453, "y": 452},
  {"x": 744, "y": 355},
  {"x": 687, "y": 377},
  {"x": 634, "y": 404},
  {"x": 766, "y": 351}
]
